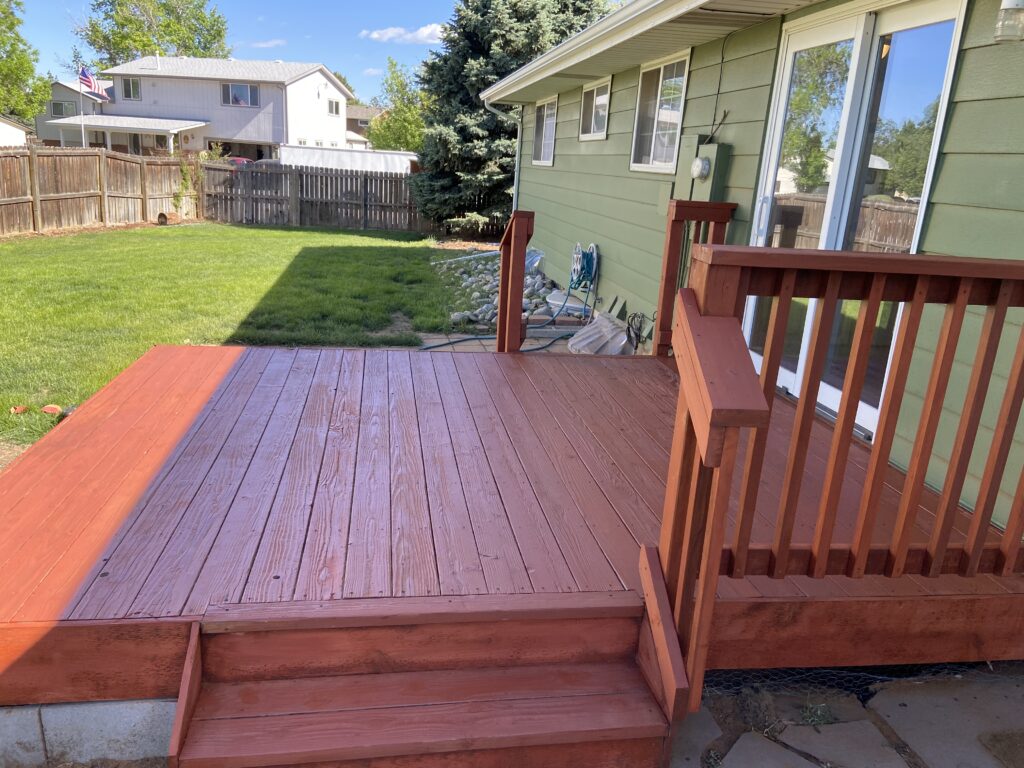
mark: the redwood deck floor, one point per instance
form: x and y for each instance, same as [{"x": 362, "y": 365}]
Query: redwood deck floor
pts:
[{"x": 205, "y": 476}]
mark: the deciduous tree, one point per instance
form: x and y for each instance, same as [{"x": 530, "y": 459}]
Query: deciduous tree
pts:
[
  {"x": 23, "y": 93},
  {"x": 400, "y": 125}
]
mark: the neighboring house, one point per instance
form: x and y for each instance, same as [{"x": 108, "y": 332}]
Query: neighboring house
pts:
[
  {"x": 359, "y": 117},
  {"x": 251, "y": 108},
  {"x": 13, "y": 132},
  {"x": 67, "y": 101},
  {"x": 916, "y": 101}
]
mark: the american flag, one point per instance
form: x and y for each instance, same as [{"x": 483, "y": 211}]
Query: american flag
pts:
[{"x": 86, "y": 79}]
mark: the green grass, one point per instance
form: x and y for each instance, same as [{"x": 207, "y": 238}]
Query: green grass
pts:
[{"x": 76, "y": 310}]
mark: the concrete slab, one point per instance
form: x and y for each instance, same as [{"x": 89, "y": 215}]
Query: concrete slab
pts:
[
  {"x": 1008, "y": 747},
  {"x": 844, "y": 745},
  {"x": 944, "y": 721},
  {"x": 107, "y": 730},
  {"x": 21, "y": 738},
  {"x": 753, "y": 749},
  {"x": 692, "y": 737}
]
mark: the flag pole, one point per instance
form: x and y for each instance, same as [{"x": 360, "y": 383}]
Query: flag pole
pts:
[{"x": 81, "y": 109}]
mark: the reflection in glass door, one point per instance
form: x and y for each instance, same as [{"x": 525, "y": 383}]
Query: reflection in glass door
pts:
[{"x": 848, "y": 168}]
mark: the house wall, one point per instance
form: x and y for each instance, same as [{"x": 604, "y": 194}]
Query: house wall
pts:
[
  {"x": 590, "y": 195},
  {"x": 11, "y": 135},
  {"x": 976, "y": 209},
  {"x": 60, "y": 92},
  {"x": 181, "y": 98},
  {"x": 308, "y": 117}
]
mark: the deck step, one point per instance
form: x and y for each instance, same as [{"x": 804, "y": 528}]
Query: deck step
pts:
[{"x": 595, "y": 714}]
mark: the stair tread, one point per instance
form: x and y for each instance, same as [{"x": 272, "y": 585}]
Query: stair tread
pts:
[{"x": 356, "y": 717}]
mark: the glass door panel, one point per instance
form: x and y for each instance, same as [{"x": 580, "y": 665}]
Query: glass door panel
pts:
[{"x": 901, "y": 106}]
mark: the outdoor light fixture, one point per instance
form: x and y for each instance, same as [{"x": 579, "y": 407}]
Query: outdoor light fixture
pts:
[{"x": 1010, "y": 22}]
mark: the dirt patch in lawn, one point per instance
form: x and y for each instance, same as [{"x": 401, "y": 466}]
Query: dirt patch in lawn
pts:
[
  {"x": 9, "y": 452},
  {"x": 466, "y": 245}
]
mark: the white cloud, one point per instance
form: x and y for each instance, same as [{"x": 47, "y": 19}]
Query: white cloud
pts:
[
  {"x": 428, "y": 34},
  {"x": 277, "y": 42},
  {"x": 373, "y": 72}
]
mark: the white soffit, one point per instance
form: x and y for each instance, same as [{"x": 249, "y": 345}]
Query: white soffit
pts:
[{"x": 638, "y": 32}]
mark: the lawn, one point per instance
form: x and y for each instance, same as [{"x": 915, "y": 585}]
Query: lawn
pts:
[{"x": 76, "y": 310}]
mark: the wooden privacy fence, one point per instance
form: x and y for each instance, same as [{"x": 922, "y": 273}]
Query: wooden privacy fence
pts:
[
  {"x": 303, "y": 196},
  {"x": 882, "y": 225},
  {"x": 45, "y": 190}
]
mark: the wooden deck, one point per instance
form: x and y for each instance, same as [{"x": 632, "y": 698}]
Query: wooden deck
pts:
[{"x": 217, "y": 483}]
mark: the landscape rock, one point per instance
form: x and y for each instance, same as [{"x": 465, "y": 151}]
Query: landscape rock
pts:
[
  {"x": 753, "y": 749},
  {"x": 844, "y": 745}
]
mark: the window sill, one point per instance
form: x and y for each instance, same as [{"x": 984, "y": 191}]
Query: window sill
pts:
[
  {"x": 593, "y": 136},
  {"x": 543, "y": 163},
  {"x": 660, "y": 169}
]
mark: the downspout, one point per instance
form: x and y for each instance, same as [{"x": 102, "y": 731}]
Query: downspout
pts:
[{"x": 519, "y": 147}]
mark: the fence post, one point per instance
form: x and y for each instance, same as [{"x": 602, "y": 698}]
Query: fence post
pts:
[
  {"x": 104, "y": 209},
  {"x": 33, "y": 170},
  {"x": 143, "y": 186},
  {"x": 366, "y": 200},
  {"x": 200, "y": 177},
  {"x": 293, "y": 197}
]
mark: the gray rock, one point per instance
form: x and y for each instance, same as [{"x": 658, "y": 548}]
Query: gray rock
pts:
[
  {"x": 526, "y": 305},
  {"x": 111, "y": 730},
  {"x": 21, "y": 737},
  {"x": 475, "y": 295},
  {"x": 459, "y": 317},
  {"x": 844, "y": 745},
  {"x": 944, "y": 720},
  {"x": 753, "y": 749}
]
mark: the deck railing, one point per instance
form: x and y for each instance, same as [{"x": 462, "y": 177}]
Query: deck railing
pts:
[
  {"x": 720, "y": 394},
  {"x": 707, "y": 223},
  {"x": 510, "y": 287}
]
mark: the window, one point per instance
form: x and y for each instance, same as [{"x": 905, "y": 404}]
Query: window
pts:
[
  {"x": 659, "y": 117},
  {"x": 544, "y": 132},
  {"x": 318, "y": 143},
  {"x": 302, "y": 142},
  {"x": 364, "y": 123},
  {"x": 334, "y": 143},
  {"x": 131, "y": 88},
  {"x": 161, "y": 141},
  {"x": 333, "y": 107},
  {"x": 62, "y": 108},
  {"x": 239, "y": 95},
  {"x": 594, "y": 111}
]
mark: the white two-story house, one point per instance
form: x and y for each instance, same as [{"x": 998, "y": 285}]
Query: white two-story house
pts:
[{"x": 251, "y": 108}]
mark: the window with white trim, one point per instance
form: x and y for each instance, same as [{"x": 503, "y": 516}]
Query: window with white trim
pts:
[
  {"x": 239, "y": 95},
  {"x": 319, "y": 142},
  {"x": 131, "y": 88},
  {"x": 333, "y": 107},
  {"x": 659, "y": 117},
  {"x": 62, "y": 108},
  {"x": 544, "y": 132},
  {"x": 594, "y": 111},
  {"x": 302, "y": 142}
]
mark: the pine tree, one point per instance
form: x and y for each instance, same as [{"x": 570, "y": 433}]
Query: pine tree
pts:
[{"x": 468, "y": 155}]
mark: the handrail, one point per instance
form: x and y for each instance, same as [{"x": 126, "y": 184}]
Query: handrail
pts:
[
  {"x": 719, "y": 394},
  {"x": 511, "y": 278},
  {"x": 709, "y": 221}
]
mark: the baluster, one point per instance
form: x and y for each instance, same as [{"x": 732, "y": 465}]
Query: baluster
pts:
[
  {"x": 694, "y": 530},
  {"x": 704, "y": 600},
  {"x": 824, "y": 319},
  {"x": 677, "y": 493},
  {"x": 1009, "y": 546},
  {"x": 842, "y": 433},
  {"x": 995, "y": 467},
  {"x": 892, "y": 402},
  {"x": 967, "y": 431},
  {"x": 670, "y": 261},
  {"x": 924, "y": 441},
  {"x": 757, "y": 439}
]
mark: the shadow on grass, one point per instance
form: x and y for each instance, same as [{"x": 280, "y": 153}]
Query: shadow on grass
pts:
[{"x": 350, "y": 295}]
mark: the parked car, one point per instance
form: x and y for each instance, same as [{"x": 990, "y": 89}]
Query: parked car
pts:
[{"x": 237, "y": 162}]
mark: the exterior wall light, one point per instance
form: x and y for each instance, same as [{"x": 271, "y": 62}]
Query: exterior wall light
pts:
[{"x": 1010, "y": 22}]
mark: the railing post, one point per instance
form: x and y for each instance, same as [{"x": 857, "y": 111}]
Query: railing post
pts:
[{"x": 513, "y": 272}]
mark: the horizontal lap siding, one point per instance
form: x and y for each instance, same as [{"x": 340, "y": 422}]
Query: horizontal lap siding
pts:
[
  {"x": 590, "y": 195},
  {"x": 976, "y": 209}
]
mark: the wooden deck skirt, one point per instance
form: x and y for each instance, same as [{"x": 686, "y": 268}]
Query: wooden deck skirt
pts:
[{"x": 222, "y": 484}]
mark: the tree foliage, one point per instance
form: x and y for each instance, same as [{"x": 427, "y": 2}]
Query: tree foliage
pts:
[
  {"x": 468, "y": 155},
  {"x": 906, "y": 146},
  {"x": 122, "y": 30},
  {"x": 812, "y": 116},
  {"x": 23, "y": 93},
  {"x": 401, "y": 124}
]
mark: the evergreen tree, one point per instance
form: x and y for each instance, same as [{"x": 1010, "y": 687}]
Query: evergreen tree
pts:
[
  {"x": 23, "y": 93},
  {"x": 468, "y": 156}
]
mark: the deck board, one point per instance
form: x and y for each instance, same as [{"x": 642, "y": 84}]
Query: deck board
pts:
[{"x": 227, "y": 475}]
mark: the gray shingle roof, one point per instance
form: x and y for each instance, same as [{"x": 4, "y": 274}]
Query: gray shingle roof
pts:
[
  {"x": 361, "y": 112},
  {"x": 215, "y": 69}
]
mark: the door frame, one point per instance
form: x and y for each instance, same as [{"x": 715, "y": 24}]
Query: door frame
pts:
[{"x": 798, "y": 35}]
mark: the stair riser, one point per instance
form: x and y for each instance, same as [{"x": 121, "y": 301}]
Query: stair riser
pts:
[
  {"x": 624, "y": 753},
  {"x": 312, "y": 653}
]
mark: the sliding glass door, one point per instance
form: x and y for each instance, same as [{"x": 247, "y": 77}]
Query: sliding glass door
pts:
[{"x": 846, "y": 166}]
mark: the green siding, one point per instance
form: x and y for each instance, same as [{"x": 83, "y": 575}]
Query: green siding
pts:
[
  {"x": 976, "y": 209},
  {"x": 590, "y": 195}
]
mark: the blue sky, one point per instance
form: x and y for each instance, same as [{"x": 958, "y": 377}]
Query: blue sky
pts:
[{"x": 351, "y": 37}]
